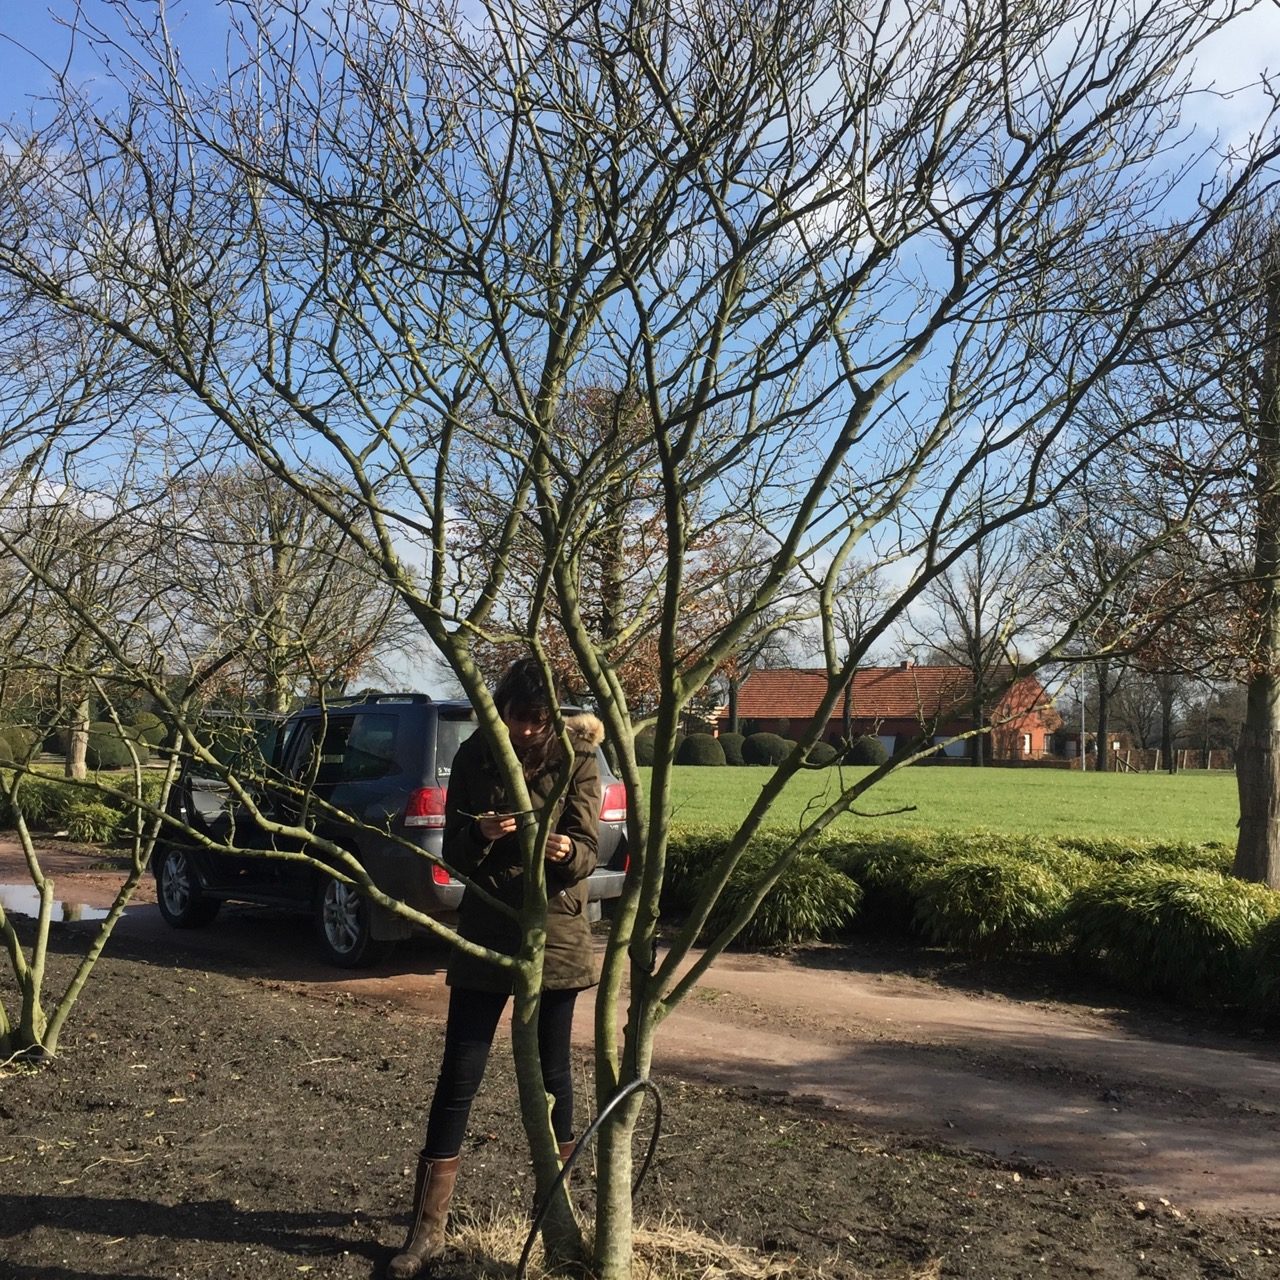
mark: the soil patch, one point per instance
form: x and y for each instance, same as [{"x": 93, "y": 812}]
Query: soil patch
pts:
[{"x": 205, "y": 1123}]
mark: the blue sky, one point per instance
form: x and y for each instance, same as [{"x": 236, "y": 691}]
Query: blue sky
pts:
[
  {"x": 30, "y": 30},
  {"x": 1236, "y": 57}
]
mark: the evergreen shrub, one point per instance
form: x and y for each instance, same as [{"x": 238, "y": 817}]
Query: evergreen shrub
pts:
[
  {"x": 108, "y": 749},
  {"x": 149, "y": 728},
  {"x": 1179, "y": 933},
  {"x": 822, "y": 754},
  {"x": 700, "y": 749},
  {"x": 866, "y": 750},
  {"x": 731, "y": 744},
  {"x": 764, "y": 748},
  {"x": 18, "y": 743},
  {"x": 644, "y": 747}
]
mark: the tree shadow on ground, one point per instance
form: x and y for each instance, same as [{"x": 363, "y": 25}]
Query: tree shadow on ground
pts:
[
  {"x": 1031, "y": 978},
  {"x": 243, "y": 941},
  {"x": 315, "y": 1233}
]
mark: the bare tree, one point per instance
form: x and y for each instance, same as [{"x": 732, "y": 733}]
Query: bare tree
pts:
[
  {"x": 1214, "y": 372},
  {"x": 975, "y": 614},
  {"x": 255, "y": 566},
  {"x": 846, "y": 257},
  {"x": 1145, "y": 709}
]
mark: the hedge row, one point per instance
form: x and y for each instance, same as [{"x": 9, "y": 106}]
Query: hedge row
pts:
[
  {"x": 108, "y": 746},
  {"x": 758, "y": 748},
  {"x": 53, "y": 804},
  {"x": 1163, "y": 919}
]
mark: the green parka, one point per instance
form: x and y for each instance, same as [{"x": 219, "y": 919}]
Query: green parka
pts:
[{"x": 476, "y": 786}]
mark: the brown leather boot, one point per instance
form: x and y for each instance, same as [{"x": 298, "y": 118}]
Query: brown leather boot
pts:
[
  {"x": 566, "y": 1150},
  {"x": 431, "y": 1195}
]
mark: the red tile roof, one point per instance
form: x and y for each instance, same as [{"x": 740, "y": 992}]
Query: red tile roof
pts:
[{"x": 880, "y": 693}]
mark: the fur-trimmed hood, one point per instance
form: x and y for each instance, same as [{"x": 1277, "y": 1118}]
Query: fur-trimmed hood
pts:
[{"x": 586, "y": 731}]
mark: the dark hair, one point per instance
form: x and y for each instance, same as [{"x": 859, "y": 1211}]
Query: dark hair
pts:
[{"x": 523, "y": 691}]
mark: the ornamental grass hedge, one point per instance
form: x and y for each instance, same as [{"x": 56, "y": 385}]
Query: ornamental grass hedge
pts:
[
  {"x": 990, "y": 903},
  {"x": 1157, "y": 919},
  {"x": 93, "y": 815},
  {"x": 1185, "y": 934},
  {"x": 811, "y": 901}
]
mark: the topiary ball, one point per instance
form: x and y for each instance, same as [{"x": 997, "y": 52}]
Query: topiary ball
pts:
[
  {"x": 866, "y": 750},
  {"x": 700, "y": 749},
  {"x": 764, "y": 748},
  {"x": 107, "y": 749}
]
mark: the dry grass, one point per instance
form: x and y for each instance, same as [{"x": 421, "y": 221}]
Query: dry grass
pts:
[{"x": 670, "y": 1249}]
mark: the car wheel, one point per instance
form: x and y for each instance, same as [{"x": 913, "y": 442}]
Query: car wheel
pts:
[
  {"x": 181, "y": 900},
  {"x": 343, "y": 919}
]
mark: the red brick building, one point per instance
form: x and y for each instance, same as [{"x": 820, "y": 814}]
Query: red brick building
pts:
[{"x": 897, "y": 703}]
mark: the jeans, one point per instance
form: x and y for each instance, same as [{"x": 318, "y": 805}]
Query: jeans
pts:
[{"x": 468, "y": 1036}]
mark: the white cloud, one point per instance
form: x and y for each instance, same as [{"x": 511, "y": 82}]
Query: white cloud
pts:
[{"x": 1230, "y": 68}]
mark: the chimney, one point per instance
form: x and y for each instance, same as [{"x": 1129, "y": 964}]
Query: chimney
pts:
[{"x": 905, "y": 665}]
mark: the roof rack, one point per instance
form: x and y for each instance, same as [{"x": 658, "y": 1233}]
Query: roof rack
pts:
[{"x": 366, "y": 699}]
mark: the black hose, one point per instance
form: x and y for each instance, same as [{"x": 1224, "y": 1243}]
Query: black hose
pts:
[{"x": 618, "y": 1098}]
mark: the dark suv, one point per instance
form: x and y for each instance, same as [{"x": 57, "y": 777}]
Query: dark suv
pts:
[{"x": 385, "y": 761}]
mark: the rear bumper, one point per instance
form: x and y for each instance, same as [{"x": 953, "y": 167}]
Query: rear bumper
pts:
[{"x": 603, "y": 884}]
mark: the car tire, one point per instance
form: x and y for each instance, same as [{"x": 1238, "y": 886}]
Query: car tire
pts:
[
  {"x": 179, "y": 895},
  {"x": 343, "y": 920}
]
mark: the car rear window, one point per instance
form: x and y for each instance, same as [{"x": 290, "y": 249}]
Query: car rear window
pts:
[
  {"x": 371, "y": 747},
  {"x": 453, "y": 728},
  {"x": 356, "y": 748}
]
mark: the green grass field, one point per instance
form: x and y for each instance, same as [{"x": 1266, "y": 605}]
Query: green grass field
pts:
[{"x": 1190, "y": 806}]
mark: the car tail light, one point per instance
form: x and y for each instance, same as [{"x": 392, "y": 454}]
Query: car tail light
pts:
[
  {"x": 440, "y": 873},
  {"x": 425, "y": 808},
  {"x": 613, "y": 804}
]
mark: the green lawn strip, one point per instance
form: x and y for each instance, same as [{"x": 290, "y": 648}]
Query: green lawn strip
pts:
[{"x": 1192, "y": 806}]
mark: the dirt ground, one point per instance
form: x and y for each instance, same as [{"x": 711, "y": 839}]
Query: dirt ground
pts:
[{"x": 224, "y": 1107}]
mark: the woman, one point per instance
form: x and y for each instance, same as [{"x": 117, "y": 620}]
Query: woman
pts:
[{"x": 480, "y": 841}]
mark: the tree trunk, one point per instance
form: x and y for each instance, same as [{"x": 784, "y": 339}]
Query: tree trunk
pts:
[
  {"x": 1104, "y": 715},
  {"x": 1258, "y": 755},
  {"x": 981, "y": 752},
  {"x": 561, "y": 1237},
  {"x": 1166, "y": 727},
  {"x": 614, "y": 1219},
  {"x": 733, "y": 706},
  {"x": 76, "y": 766},
  {"x": 1258, "y": 781}
]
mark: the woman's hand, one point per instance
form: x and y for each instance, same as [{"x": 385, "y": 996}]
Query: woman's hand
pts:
[
  {"x": 493, "y": 826},
  {"x": 559, "y": 847}
]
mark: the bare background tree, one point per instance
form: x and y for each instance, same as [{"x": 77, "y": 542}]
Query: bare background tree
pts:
[{"x": 255, "y": 565}]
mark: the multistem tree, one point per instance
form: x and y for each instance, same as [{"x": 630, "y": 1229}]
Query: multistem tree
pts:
[{"x": 854, "y": 263}]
